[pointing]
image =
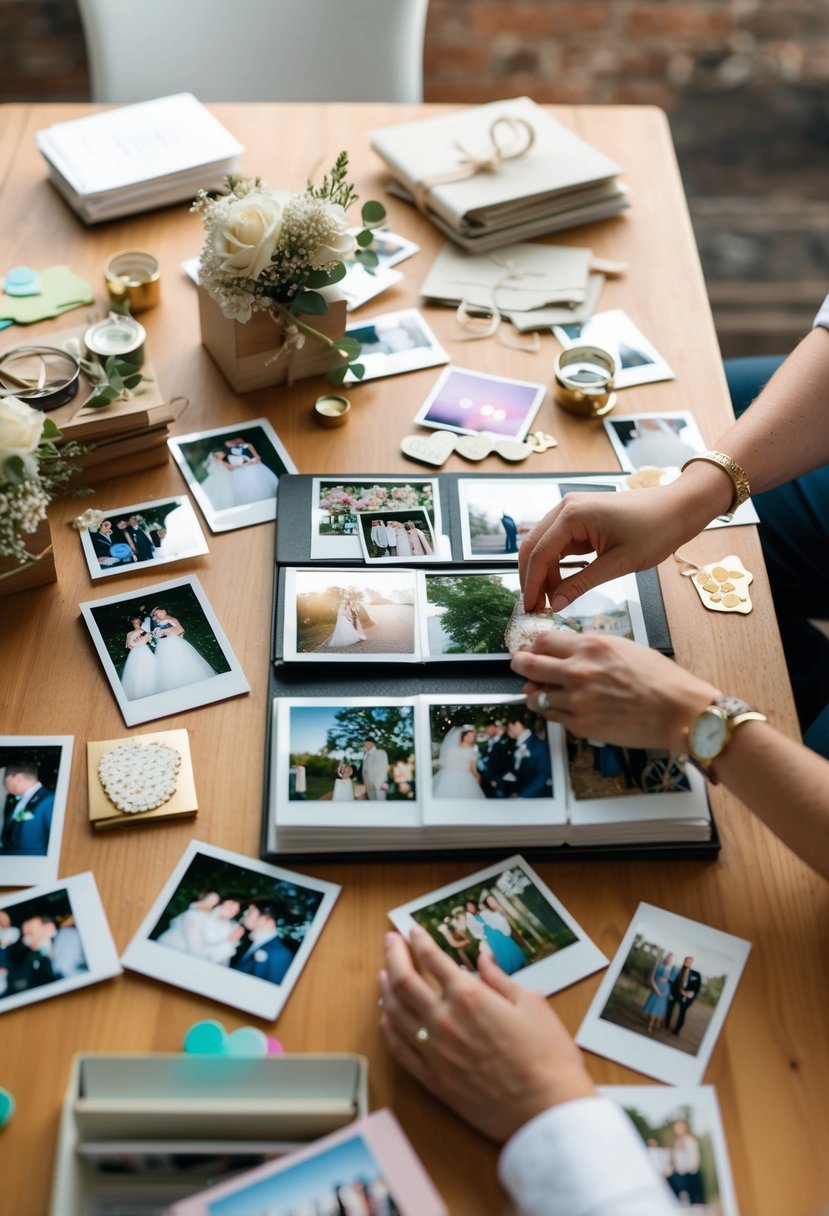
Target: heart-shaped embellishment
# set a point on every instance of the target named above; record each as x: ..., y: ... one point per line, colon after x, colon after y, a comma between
x: 207, y: 1038
x: 139, y: 777
x: 247, y: 1043
x: 474, y: 447
x: 512, y: 449
x: 434, y: 449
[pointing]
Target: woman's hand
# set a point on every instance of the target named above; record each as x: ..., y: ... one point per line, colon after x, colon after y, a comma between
x: 612, y: 690
x: 496, y: 1053
x: 628, y: 531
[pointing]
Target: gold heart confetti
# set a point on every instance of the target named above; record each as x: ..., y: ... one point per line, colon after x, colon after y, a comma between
x: 722, y: 586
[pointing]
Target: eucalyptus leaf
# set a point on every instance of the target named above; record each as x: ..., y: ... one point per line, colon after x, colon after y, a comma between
x: 309, y: 304
x: 357, y: 369
x: 337, y: 374
x: 364, y: 238
x: 373, y: 213
x: 350, y: 347
x: 132, y: 381
x: 50, y: 431
x: 317, y: 278
x: 339, y: 272
x: 368, y: 259
x: 15, y: 470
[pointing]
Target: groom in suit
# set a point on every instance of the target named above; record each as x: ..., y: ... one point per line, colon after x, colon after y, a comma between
x: 495, y: 759
x: 375, y: 771
x: 28, y: 819
x: 685, y: 986
x: 531, y: 775
x: 266, y: 957
x: 511, y: 528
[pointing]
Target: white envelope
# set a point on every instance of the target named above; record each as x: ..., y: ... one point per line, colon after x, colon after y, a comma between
x: 516, y: 278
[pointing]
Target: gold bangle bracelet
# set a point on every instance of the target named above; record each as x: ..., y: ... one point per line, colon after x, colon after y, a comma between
x: 742, y: 489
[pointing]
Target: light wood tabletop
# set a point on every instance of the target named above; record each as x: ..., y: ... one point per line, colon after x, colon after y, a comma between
x: 770, y: 1064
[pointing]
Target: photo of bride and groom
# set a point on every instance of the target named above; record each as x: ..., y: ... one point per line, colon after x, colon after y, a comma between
x: 163, y: 649
x: 397, y: 536
x: 228, y: 470
x: 237, y: 919
x: 361, y: 615
x: 352, y: 753
x: 144, y: 534
x: 490, y: 751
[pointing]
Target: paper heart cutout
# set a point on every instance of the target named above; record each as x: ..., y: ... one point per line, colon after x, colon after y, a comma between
x: 247, y: 1042
x: 474, y: 447
x: 207, y: 1039
x: 139, y: 777
x: 434, y: 449
x: 512, y: 449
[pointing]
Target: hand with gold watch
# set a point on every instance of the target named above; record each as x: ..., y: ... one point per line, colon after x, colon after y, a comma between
x: 711, y: 730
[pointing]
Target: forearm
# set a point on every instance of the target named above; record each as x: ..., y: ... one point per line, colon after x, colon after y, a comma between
x: 784, y: 784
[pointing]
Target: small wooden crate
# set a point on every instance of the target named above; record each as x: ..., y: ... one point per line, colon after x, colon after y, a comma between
x: 245, y: 353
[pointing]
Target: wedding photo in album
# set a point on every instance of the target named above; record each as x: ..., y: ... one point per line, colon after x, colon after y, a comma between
x: 505, y: 911
x: 54, y: 939
x: 34, y: 776
x: 232, y: 929
x: 337, y: 504
x: 163, y: 650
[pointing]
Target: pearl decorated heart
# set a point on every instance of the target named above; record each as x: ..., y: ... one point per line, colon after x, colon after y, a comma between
x: 139, y: 777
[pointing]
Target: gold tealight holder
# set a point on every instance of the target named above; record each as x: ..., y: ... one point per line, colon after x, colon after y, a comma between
x: 136, y: 276
x: 331, y: 410
x: 584, y: 378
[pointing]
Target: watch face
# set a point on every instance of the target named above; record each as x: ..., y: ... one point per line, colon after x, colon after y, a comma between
x: 707, y: 734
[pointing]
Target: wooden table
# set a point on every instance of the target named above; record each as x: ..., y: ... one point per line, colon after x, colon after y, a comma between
x: 770, y: 1066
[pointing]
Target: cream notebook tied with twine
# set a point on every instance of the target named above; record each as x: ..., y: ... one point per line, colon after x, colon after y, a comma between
x: 500, y: 172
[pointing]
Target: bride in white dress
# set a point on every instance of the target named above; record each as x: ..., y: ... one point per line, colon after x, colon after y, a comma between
x: 418, y: 544
x: 207, y: 929
x: 458, y: 773
x: 177, y: 662
x: 404, y: 549
x: 252, y: 481
x: 345, y: 633
x: 343, y: 785
x: 138, y: 676
x: 218, y: 484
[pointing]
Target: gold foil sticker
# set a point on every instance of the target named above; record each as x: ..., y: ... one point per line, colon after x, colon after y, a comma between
x: 717, y: 585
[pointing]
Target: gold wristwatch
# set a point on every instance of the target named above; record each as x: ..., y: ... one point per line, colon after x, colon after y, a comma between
x: 710, y: 731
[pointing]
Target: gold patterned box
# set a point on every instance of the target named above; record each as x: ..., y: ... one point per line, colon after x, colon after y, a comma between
x: 103, y: 812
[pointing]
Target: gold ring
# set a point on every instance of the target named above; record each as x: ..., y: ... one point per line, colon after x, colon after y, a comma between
x: 423, y: 1035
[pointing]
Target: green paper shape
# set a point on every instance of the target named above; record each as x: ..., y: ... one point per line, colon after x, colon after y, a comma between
x: 206, y: 1039
x: 60, y: 290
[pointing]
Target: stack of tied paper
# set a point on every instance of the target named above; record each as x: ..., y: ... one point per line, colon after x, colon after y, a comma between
x: 500, y: 173
x: 138, y: 157
x: 534, y: 286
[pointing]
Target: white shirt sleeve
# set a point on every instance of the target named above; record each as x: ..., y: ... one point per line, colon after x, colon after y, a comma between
x: 822, y: 319
x: 582, y: 1158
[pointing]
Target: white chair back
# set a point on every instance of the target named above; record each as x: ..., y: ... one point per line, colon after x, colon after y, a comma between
x: 256, y: 50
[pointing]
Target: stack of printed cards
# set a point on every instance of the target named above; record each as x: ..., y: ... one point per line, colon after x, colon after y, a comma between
x: 360, y: 774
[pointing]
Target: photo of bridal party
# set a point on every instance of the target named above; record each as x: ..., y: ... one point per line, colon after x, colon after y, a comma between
x: 39, y: 943
x: 141, y: 535
x: 397, y: 536
x: 350, y: 753
x: 233, y: 473
x: 351, y: 612
x: 489, y: 751
x: 338, y: 504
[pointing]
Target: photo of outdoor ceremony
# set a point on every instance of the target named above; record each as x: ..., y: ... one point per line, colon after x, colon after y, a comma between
x: 351, y: 753
x: 489, y: 751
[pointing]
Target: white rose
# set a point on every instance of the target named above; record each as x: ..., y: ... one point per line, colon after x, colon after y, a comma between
x: 20, y: 430
x: 338, y: 243
x: 251, y: 233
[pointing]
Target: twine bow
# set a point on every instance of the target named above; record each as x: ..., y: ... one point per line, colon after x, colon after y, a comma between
x: 475, y: 327
x: 499, y: 150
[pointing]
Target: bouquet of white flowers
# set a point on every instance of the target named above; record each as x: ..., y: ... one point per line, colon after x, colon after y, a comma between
x: 273, y: 250
x: 32, y: 470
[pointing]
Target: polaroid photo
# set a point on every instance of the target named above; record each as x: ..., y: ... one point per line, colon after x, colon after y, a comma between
x: 637, y: 361
x: 662, y: 1003
x: 54, y: 939
x: 143, y: 535
x: 361, y: 285
x: 367, y: 615
x: 338, y: 501
x: 497, y: 513
x: 368, y: 1166
x: 233, y: 472
x: 614, y: 785
x: 163, y: 650
x: 489, y: 761
x: 682, y: 1130
x: 232, y: 929
x: 657, y: 440
x: 349, y: 764
x: 464, y: 615
x: 507, y: 911
x: 393, y: 343
x: 404, y: 535
x: 653, y: 475
x: 470, y: 402
x: 34, y: 778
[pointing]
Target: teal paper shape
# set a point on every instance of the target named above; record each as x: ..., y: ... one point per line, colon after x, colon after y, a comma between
x: 248, y: 1042
x: 6, y: 1106
x: 22, y: 281
x: 60, y: 290
x: 206, y: 1039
